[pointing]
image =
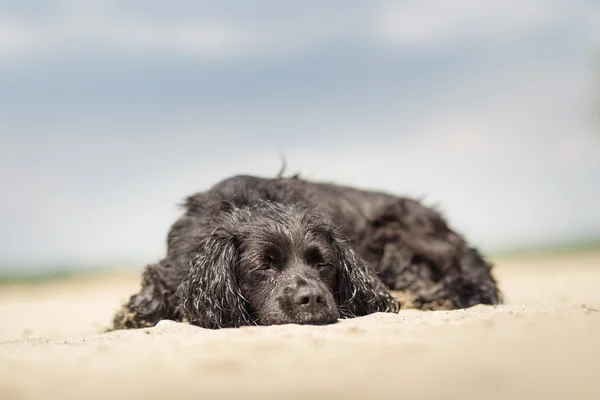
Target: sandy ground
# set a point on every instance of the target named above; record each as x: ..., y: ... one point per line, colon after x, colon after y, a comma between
x: 544, y: 342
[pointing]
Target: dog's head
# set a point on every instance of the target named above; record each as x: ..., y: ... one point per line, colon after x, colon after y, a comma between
x: 275, y: 264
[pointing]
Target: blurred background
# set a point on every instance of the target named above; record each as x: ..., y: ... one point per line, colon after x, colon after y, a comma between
x: 111, y: 112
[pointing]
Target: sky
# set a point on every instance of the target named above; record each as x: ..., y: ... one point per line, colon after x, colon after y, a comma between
x: 111, y: 112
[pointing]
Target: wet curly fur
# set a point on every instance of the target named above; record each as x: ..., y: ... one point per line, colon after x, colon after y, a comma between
x: 368, y: 245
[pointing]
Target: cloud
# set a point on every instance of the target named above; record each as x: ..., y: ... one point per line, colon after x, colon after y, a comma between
x: 437, y: 23
x: 71, y: 27
x: 16, y: 38
x: 71, y: 33
x: 220, y: 32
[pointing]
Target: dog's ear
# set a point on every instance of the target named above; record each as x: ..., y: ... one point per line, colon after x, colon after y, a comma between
x: 359, y: 291
x: 209, y: 294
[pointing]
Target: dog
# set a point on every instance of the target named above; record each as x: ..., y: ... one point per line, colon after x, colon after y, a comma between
x: 264, y: 251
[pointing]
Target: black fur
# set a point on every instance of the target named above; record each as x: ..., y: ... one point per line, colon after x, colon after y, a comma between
x: 342, y: 247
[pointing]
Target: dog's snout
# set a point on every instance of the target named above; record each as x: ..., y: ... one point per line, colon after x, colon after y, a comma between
x: 310, y: 298
x: 306, y: 299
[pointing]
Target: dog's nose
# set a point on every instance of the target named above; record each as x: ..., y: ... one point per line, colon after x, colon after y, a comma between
x: 310, y: 298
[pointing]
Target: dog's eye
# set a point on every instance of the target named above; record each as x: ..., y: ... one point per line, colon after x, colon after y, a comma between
x: 314, y: 257
x: 271, y: 261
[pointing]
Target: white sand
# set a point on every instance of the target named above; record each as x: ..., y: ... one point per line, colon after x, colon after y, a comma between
x: 545, y: 342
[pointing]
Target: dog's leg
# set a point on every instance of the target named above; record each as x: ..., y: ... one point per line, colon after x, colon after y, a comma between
x: 470, y: 283
x: 149, y: 306
x: 415, y: 252
x: 426, y: 285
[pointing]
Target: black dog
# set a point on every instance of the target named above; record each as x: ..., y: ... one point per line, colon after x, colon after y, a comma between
x: 273, y: 251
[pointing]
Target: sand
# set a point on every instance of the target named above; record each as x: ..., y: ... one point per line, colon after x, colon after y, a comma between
x: 544, y: 342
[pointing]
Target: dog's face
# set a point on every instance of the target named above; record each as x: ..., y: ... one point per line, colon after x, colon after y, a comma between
x: 288, y: 272
x: 274, y: 264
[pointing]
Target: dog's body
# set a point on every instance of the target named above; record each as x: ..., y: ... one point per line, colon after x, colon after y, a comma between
x: 337, y: 250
